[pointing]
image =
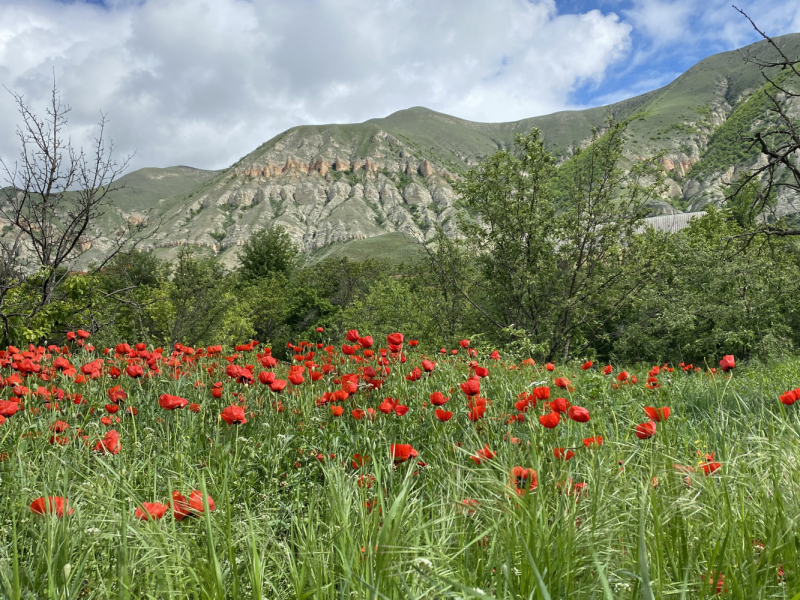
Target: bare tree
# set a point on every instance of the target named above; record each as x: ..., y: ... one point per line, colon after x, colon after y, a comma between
x: 779, y: 143
x: 54, y: 195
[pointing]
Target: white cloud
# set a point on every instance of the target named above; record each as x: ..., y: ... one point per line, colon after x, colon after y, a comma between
x: 202, y: 82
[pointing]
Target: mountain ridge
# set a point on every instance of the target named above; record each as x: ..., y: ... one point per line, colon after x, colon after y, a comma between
x: 340, y: 183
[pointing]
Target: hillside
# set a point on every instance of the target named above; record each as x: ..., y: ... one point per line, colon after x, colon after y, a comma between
x: 388, y: 180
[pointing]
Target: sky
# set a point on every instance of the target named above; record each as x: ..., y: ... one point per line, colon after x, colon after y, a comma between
x: 204, y: 82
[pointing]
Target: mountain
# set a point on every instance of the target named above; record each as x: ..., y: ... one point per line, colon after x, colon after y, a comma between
x: 377, y: 188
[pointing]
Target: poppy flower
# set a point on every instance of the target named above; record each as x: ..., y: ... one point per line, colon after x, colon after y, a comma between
x: 495, y: 355
x: 563, y: 454
x: 727, y: 363
x: 195, y: 408
x: 471, y: 387
x: 400, y: 409
x: 109, y: 443
x: 296, y: 378
x: 578, y: 414
x: 559, y: 405
x: 116, y: 394
x: 352, y: 335
x: 59, y: 427
x: 645, y: 430
x: 134, y: 371
x: 657, y: 414
x: 443, y: 415
x: 180, y: 506
x: 788, y: 398
x: 562, y: 382
x: 464, y: 343
x: 413, y: 343
x: 394, y: 339
x: 233, y: 415
x: 358, y: 414
x: 438, y: 399
x: 197, y: 504
x: 523, y: 480
x: 541, y: 393
x: 483, y: 455
x: 587, y: 365
x: 366, y: 341
x: 710, y: 467
x: 477, y: 408
x: 593, y: 441
x: 168, y: 402
x: 337, y: 411
x: 320, y: 329
x: 550, y: 420
x: 151, y: 511
x: 481, y: 372
x: 54, y: 505
x: 622, y: 376
x: 428, y: 365
x: 402, y: 452
x: 358, y: 461
x: 550, y: 367
x: 277, y: 386
x: 387, y: 406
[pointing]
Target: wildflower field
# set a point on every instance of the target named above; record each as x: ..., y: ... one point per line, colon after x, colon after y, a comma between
x: 366, y: 468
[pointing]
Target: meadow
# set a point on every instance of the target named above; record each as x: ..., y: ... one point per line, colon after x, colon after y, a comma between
x: 380, y: 469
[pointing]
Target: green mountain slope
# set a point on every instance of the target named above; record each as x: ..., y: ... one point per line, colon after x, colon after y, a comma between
x: 367, y: 187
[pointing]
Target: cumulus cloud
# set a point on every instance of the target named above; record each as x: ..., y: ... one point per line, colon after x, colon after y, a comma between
x: 203, y: 82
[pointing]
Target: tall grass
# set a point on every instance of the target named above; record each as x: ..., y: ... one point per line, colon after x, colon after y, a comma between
x: 288, y: 525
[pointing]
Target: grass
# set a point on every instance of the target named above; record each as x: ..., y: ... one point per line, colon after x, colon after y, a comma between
x: 294, y: 518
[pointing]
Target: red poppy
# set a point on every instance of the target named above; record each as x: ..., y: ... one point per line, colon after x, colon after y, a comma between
x: 483, y: 455
x: 471, y: 387
x: 366, y: 341
x: 413, y: 343
x: 587, y: 365
x: 277, y: 386
x: 788, y: 398
x: 197, y: 502
x: 550, y: 367
x: 622, y: 376
x: 402, y: 452
x: 358, y: 414
x: 523, y: 480
x: 134, y: 371
x: 559, y: 405
x: 727, y: 363
x: 541, y: 393
x: 578, y: 413
x: 657, y: 414
x: 168, y: 402
x: 645, y: 430
x: 477, y: 408
x: 358, y: 461
x: 233, y: 415
x: 337, y: 411
x: 428, y: 365
x: 593, y: 441
x: 438, y: 399
x: 394, y: 339
x: 296, y: 377
x: 352, y: 335
x: 180, y: 506
x: 562, y: 382
x: 400, y: 409
x: 116, y: 394
x: 563, y: 454
x: 710, y: 467
x: 109, y: 444
x: 59, y: 427
x: 195, y: 408
x: 54, y: 505
x: 443, y: 415
x: 151, y: 511
x: 550, y: 420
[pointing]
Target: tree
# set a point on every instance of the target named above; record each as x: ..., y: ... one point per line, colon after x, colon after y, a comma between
x: 779, y: 144
x: 53, y: 196
x: 267, y: 252
x: 556, y: 254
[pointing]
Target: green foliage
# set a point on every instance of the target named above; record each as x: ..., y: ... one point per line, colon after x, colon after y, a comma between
x: 267, y: 252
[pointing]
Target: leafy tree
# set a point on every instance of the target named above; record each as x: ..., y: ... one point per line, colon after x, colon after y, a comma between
x: 267, y: 252
x: 555, y: 244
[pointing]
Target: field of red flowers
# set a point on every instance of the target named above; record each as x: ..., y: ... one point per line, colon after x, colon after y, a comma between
x: 373, y: 468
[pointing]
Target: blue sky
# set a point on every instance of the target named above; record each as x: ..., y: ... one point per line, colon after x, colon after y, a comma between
x: 203, y: 82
